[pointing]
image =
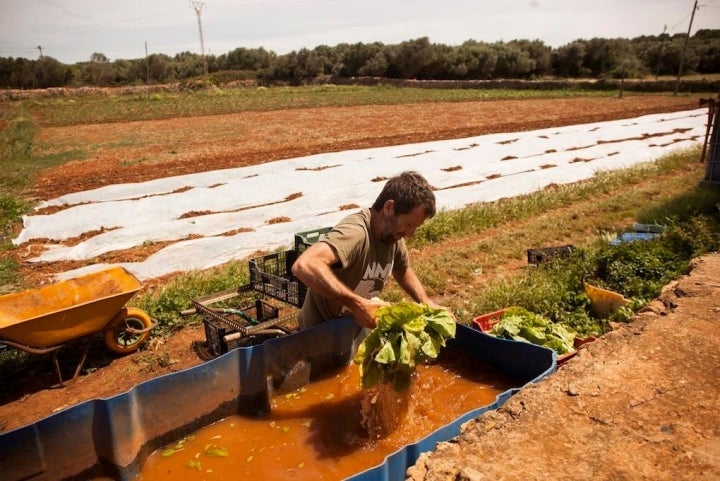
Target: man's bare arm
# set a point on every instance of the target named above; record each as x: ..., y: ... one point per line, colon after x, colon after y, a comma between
x: 410, y: 283
x: 313, y: 268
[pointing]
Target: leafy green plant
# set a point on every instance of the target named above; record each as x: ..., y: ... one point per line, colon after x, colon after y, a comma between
x: 640, y: 269
x: 522, y: 325
x: 407, y: 334
x: 637, y: 270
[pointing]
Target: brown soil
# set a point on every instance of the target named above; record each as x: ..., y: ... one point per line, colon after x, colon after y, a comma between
x: 639, y: 403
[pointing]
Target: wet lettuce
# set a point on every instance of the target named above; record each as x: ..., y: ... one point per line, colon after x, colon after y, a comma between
x: 406, y: 335
x: 522, y: 325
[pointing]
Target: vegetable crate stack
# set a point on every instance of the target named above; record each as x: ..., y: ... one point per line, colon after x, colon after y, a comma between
x: 271, y: 274
x: 229, y: 318
x: 303, y: 240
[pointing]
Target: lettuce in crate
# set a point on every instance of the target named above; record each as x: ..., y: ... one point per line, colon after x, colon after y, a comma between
x: 520, y: 324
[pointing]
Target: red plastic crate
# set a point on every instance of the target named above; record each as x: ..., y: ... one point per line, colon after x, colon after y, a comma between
x: 487, y: 321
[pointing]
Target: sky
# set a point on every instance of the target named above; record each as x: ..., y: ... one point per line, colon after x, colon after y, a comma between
x: 72, y: 30
x: 234, y: 210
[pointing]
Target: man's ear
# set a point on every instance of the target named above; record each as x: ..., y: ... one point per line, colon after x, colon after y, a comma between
x: 389, y: 207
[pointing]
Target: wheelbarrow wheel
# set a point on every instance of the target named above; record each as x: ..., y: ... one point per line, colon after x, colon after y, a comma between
x: 127, y: 330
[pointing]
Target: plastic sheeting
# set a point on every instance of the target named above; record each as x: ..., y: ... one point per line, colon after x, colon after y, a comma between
x: 113, y: 437
x: 211, y: 218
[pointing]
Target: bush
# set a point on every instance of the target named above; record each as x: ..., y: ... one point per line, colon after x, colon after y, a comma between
x: 637, y: 270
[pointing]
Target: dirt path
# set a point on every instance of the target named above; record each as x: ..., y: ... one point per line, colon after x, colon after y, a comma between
x: 638, y: 404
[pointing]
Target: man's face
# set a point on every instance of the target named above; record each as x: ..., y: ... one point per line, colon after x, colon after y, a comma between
x: 394, y: 227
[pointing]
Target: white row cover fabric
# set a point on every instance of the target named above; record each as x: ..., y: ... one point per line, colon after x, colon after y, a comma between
x: 215, y: 217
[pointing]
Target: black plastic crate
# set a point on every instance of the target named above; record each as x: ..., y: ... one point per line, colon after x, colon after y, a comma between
x: 303, y: 240
x: 271, y: 275
x: 217, y: 328
x: 649, y: 228
x: 545, y: 254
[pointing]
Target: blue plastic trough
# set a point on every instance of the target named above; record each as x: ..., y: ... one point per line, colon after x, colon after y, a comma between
x: 113, y: 437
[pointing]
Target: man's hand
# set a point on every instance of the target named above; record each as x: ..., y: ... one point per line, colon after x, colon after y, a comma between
x: 364, y: 312
x: 433, y: 305
x: 410, y: 283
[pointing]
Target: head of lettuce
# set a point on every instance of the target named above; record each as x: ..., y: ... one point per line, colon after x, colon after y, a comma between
x: 407, y: 334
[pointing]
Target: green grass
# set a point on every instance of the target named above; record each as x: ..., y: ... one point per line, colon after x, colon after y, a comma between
x: 483, y: 216
x: 585, y: 213
x: 118, y: 107
x: 16, y: 171
x: 165, y: 304
x: 16, y: 144
x: 637, y: 270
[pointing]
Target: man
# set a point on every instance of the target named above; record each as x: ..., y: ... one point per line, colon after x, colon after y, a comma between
x: 346, y: 271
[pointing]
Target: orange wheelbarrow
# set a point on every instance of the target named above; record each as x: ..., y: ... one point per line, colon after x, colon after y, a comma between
x: 44, y: 320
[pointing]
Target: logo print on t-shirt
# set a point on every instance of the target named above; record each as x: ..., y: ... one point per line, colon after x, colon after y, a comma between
x: 374, y: 280
x: 377, y: 271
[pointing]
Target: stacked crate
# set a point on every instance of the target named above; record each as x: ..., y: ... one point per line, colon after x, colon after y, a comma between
x: 271, y: 274
x: 229, y: 317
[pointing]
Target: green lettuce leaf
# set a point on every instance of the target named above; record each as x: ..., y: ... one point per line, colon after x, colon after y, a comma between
x: 406, y: 335
x: 386, y: 354
x: 520, y: 324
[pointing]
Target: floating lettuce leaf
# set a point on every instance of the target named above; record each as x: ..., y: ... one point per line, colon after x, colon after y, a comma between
x: 407, y: 334
x: 215, y: 450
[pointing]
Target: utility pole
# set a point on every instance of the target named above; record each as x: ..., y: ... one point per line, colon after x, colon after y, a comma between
x: 198, y: 6
x: 147, y: 64
x: 682, y: 55
x: 40, y: 48
x: 662, y: 50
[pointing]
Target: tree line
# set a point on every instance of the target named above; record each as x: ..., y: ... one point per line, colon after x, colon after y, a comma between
x: 419, y: 59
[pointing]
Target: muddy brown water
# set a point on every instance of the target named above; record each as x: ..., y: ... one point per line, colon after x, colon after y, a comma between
x: 316, y: 432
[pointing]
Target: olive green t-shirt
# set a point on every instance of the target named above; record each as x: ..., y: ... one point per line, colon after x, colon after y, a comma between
x: 366, y: 265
